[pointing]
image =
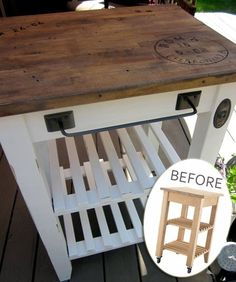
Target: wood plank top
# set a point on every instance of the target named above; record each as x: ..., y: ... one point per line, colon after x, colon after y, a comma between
x: 197, y: 193
x: 56, y: 60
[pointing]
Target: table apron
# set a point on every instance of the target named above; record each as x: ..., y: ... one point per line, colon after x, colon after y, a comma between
x: 117, y: 112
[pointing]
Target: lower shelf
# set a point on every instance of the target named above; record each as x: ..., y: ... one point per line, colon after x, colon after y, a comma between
x: 182, y: 247
x: 93, y: 231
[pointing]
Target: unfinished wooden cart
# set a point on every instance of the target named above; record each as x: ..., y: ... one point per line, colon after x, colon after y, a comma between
x: 69, y: 74
x: 187, y: 197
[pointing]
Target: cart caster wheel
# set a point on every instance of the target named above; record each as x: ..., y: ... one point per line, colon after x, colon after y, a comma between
x: 189, y: 269
x: 158, y: 259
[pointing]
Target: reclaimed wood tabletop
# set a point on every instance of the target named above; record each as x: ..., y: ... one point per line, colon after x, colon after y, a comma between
x: 63, y: 59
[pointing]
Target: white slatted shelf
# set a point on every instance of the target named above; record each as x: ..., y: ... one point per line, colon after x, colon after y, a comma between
x: 100, y: 180
x: 115, y: 182
x: 107, y: 240
x: 58, y: 192
x: 168, y: 149
x: 76, y: 172
x: 149, y: 150
x: 133, y: 173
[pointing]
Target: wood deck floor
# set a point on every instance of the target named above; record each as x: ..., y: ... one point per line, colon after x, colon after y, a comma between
x: 23, y: 257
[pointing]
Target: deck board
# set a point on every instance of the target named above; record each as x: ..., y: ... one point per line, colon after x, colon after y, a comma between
x: 88, y: 269
x: 18, y: 263
x: 125, y: 269
x: 43, y: 267
x: 7, y: 196
x: 148, y: 270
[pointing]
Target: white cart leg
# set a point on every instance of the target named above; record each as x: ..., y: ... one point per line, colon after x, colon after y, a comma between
x: 20, y: 153
x: 207, y: 139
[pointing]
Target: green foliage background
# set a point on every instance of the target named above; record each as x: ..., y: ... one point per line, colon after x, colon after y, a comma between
x: 228, y: 6
x: 231, y: 183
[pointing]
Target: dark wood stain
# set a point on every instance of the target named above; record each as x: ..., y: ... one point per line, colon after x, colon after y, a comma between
x: 56, y: 60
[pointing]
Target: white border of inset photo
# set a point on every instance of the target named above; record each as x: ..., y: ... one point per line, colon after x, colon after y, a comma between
x: 198, y: 175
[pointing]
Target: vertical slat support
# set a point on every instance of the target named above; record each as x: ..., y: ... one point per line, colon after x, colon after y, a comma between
x: 150, y: 150
x: 70, y: 235
x: 114, y: 162
x: 102, y: 185
x: 76, y: 172
x: 120, y: 223
x: 106, y: 237
x: 165, y: 143
x: 134, y: 218
x: 88, y: 236
x: 58, y: 191
x: 134, y: 159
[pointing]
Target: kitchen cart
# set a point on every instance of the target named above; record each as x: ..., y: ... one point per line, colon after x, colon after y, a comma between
x: 187, y: 197
x: 96, y: 72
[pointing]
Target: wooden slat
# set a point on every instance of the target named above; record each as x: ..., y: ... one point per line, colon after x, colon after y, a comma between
x: 130, y: 173
x: 76, y: 172
x: 88, y: 236
x: 146, y: 167
x: 89, y: 176
x: 177, y: 133
x: 187, y: 223
x: 103, y: 227
x: 183, y: 248
x: 114, y: 162
x: 143, y: 200
x: 120, y: 223
x: 165, y: 143
x: 102, y: 185
x: 58, y: 191
x: 135, y: 218
x: 70, y: 234
x: 98, y: 241
x: 134, y: 159
x: 150, y: 150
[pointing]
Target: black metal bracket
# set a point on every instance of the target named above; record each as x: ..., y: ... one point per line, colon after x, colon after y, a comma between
x: 182, y: 101
x: 65, y: 118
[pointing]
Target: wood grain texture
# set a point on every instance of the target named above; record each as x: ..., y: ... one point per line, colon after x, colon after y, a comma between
x: 63, y: 59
